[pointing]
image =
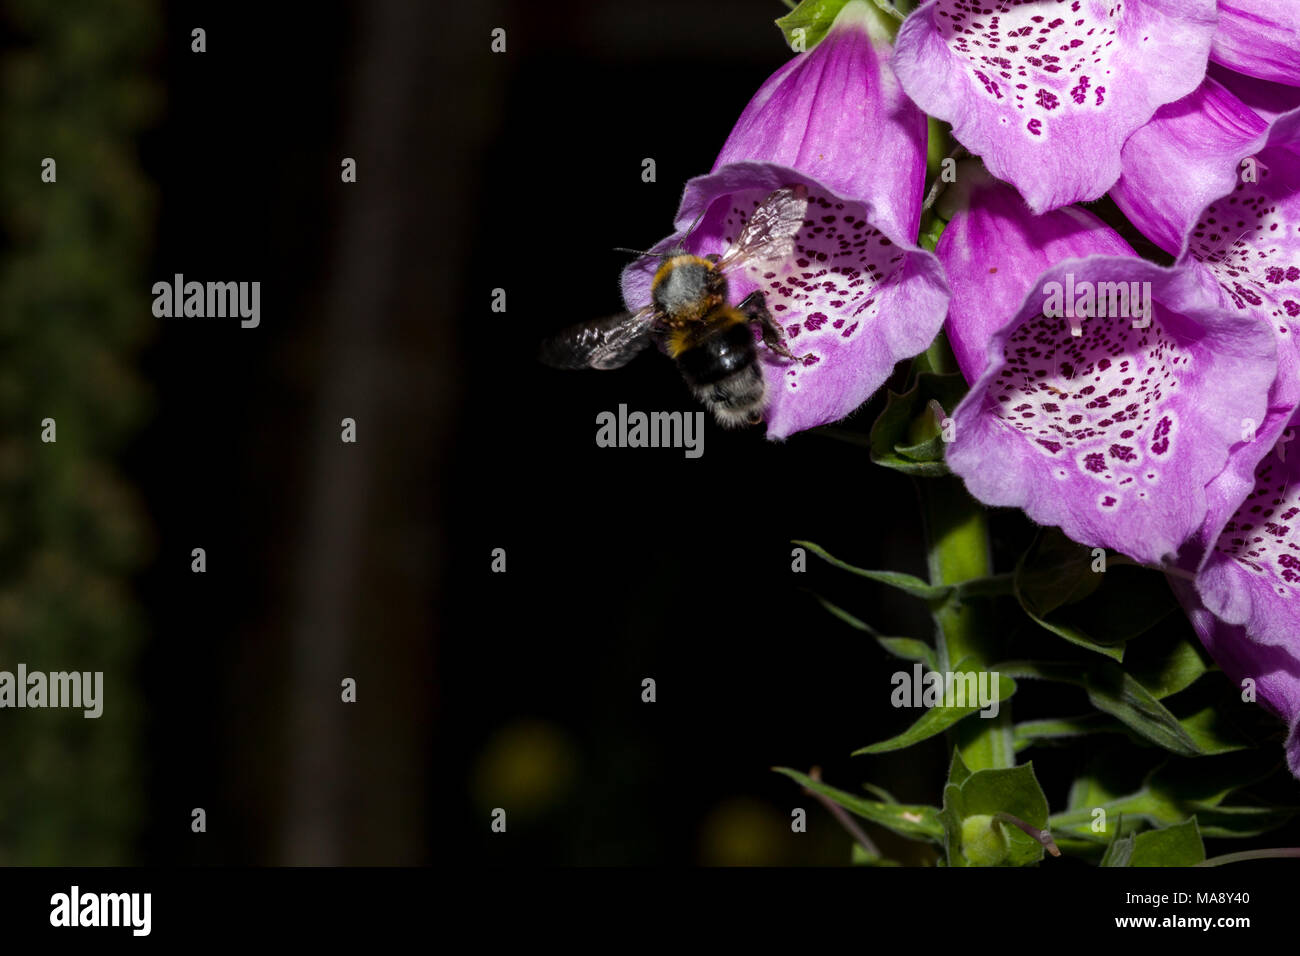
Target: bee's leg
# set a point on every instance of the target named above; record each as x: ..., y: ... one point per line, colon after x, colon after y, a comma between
x: 754, y: 308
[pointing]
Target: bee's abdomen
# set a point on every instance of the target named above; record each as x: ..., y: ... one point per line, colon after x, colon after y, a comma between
x: 718, y: 355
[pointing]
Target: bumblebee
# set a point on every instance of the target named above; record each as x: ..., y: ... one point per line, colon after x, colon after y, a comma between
x: 691, y: 320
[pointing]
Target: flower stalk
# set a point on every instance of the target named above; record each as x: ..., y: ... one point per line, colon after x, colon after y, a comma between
x: 957, y: 551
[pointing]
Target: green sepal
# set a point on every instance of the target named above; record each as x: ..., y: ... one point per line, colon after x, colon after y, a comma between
x: 814, y: 18
x: 906, y: 436
x: 1176, y: 845
x: 1013, y: 790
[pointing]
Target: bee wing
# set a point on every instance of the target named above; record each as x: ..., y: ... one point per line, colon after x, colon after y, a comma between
x: 769, y: 234
x: 605, y: 343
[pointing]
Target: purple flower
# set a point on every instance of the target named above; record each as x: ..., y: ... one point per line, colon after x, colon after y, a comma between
x: 1248, y: 242
x: 857, y: 295
x: 1259, y: 38
x: 1047, y: 92
x: 1187, y: 156
x: 1099, y: 405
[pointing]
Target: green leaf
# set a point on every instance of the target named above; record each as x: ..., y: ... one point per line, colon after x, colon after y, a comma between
x: 907, y: 583
x: 1129, y: 602
x: 1112, y: 690
x: 937, y: 719
x: 906, y: 436
x: 1030, y: 732
x: 1165, y: 662
x: 1208, y: 782
x: 1013, y: 790
x: 1177, y: 845
x: 915, y: 821
x: 1120, y: 849
x: 1053, y: 572
x: 1212, y: 732
x: 1178, y: 790
x: 908, y: 648
x: 1240, y: 822
x: 860, y: 857
x: 1099, y: 610
x: 1207, y: 727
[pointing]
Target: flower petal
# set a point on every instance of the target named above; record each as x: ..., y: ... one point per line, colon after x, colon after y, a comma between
x: 853, y: 299
x: 993, y: 251
x: 1113, y: 434
x: 1251, y: 578
x: 1275, y: 669
x: 1269, y: 100
x: 1047, y: 92
x: 1259, y: 38
x: 1187, y: 156
x: 826, y: 110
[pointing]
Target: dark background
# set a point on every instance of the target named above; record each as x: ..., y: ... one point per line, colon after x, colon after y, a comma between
x: 523, y: 691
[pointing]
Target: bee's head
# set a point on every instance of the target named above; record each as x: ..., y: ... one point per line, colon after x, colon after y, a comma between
x: 687, y: 285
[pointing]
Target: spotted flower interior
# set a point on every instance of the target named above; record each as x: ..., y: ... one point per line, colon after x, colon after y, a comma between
x: 1099, y: 406
x: 1250, y: 241
x: 1112, y: 434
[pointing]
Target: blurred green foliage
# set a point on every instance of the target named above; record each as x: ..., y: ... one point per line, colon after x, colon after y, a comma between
x: 74, y: 310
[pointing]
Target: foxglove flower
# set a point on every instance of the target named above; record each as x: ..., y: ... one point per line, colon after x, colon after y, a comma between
x: 1259, y: 38
x: 993, y: 251
x: 1109, y: 427
x: 858, y: 294
x: 1047, y: 92
x: 1249, y: 242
